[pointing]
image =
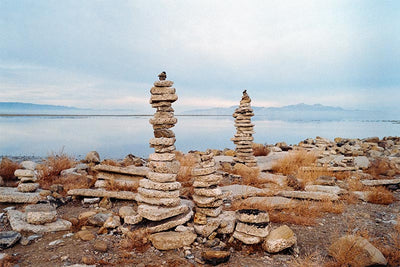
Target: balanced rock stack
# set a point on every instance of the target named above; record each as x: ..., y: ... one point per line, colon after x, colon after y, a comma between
x: 158, y: 195
x: 252, y: 226
x: 244, y: 135
x: 27, y: 177
x: 207, y: 195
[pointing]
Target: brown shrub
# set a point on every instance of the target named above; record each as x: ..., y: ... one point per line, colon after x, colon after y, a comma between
x: 73, y: 181
x: 381, y: 167
x: 136, y: 240
x: 51, y: 168
x: 260, y: 150
x: 249, y: 175
x: 111, y: 162
x: 187, y: 163
x: 293, y: 161
x: 380, y: 195
x: 7, y: 169
x: 314, y: 259
x: 347, y: 254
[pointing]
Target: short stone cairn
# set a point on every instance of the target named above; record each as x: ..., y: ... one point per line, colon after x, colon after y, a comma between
x: 27, y: 178
x: 244, y: 135
x: 252, y: 226
x: 158, y: 195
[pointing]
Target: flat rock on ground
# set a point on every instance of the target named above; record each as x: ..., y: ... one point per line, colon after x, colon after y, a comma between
x: 268, y: 202
x: 172, y: 240
x: 103, y: 193
x: 279, y: 239
x: 18, y: 223
x: 380, y: 182
x: 265, y: 163
x: 239, y: 191
x: 12, y: 195
x: 9, y: 238
x: 309, y: 195
x: 131, y: 170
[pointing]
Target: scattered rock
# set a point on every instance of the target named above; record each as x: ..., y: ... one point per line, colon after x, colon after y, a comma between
x: 359, y: 249
x: 172, y: 240
x: 40, y: 213
x: 361, y: 162
x: 18, y: 223
x: 215, y: 257
x: 279, y: 239
x: 126, y: 211
x: 99, y: 219
x: 56, y: 242
x: 9, y: 238
x: 105, y: 203
x: 85, y: 235
x: 100, y: 245
x: 92, y: 200
x: 112, y: 222
x: 92, y: 157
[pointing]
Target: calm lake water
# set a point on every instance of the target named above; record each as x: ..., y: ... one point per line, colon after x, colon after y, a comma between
x: 117, y: 136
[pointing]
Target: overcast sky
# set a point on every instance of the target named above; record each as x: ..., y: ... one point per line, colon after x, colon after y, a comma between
x: 94, y: 54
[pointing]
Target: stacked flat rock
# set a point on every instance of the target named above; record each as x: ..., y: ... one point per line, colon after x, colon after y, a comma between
x: 252, y: 226
x: 158, y: 195
x: 27, y: 178
x: 207, y: 194
x: 244, y: 132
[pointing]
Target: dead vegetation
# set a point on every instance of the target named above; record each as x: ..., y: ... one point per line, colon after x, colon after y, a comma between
x: 51, y: 168
x: 187, y: 163
x: 260, y: 150
x: 7, y: 169
x: 380, y: 195
x: 293, y: 161
x: 381, y: 168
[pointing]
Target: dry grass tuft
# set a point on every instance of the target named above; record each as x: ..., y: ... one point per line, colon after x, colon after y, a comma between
x: 293, y: 161
x: 73, y: 181
x: 249, y: 175
x: 51, y: 168
x: 348, y: 254
x: 304, y: 213
x: 381, y: 195
x: 260, y: 150
x: 314, y: 259
x: 137, y: 240
x: 187, y: 163
x: 111, y: 162
x: 382, y: 167
x: 7, y: 169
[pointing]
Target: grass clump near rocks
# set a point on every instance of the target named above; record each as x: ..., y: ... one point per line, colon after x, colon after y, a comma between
x: 7, y: 169
x: 51, y: 168
x: 260, y: 150
x: 380, y: 195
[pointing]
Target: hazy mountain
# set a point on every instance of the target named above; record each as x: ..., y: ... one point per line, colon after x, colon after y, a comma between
x: 30, y: 108
x: 296, y: 112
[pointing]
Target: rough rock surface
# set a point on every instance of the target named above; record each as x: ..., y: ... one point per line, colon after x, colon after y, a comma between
x: 172, y: 240
x: 18, y: 223
x: 279, y: 239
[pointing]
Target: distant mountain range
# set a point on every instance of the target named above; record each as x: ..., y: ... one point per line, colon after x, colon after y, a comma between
x: 30, y: 108
x: 303, y: 112
x: 296, y: 112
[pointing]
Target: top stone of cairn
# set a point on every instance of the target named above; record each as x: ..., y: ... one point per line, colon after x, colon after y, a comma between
x: 162, y: 80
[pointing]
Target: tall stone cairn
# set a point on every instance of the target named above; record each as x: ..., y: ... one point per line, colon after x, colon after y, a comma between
x: 158, y: 194
x: 207, y: 195
x: 244, y: 132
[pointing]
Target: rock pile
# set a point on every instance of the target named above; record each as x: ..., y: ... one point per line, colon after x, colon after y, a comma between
x: 252, y: 226
x: 158, y: 195
x: 120, y: 177
x: 244, y: 135
x: 27, y: 177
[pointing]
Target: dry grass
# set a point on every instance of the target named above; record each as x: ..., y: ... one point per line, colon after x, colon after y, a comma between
x: 187, y: 163
x: 111, y: 162
x: 304, y: 213
x: 249, y: 175
x: 293, y: 161
x: 260, y: 150
x: 382, y: 167
x: 73, y: 181
x: 7, y: 169
x: 380, y: 195
x: 115, y: 186
x: 314, y: 259
x: 136, y: 240
x: 51, y: 168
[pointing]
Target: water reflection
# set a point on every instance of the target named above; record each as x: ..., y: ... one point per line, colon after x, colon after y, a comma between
x: 117, y: 136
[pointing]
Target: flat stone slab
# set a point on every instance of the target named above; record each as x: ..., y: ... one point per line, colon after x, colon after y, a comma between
x: 325, y: 188
x: 309, y: 195
x: 239, y: 191
x: 172, y: 240
x: 169, y: 223
x: 269, y: 202
x: 103, y: 193
x: 266, y: 177
x: 380, y: 182
x: 265, y: 163
x: 18, y: 223
x: 131, y: 170
x: 12, y: 195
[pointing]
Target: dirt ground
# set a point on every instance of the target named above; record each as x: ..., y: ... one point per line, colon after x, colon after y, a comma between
x: 375, y: 220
